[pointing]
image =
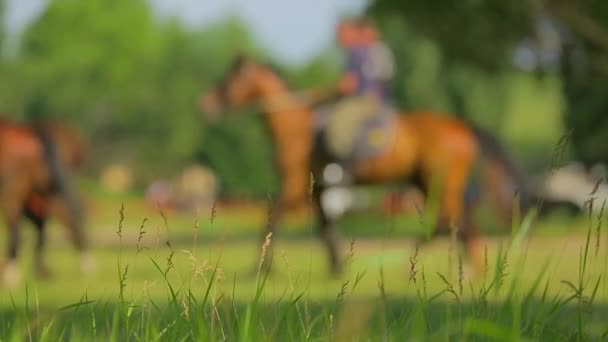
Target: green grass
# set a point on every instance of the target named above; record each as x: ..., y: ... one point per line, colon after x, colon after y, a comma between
x: 202, y: 285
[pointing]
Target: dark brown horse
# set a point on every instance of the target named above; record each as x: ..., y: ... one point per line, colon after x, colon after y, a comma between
x: 35, y: 165
x: 427, y: 148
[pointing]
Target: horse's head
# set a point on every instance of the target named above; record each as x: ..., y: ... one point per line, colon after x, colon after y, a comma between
x: 245, y: 82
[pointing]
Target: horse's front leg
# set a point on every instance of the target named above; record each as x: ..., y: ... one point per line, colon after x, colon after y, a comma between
x: 275, y: 212
x: 327, y: 231
x: 12, y: 198
x: 11, y: 275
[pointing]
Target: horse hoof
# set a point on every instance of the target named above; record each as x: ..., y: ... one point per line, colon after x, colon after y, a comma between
x: 420, y: 243
x: 11, y: 276
x: 260, y: 272
x: 43, y: 273
x: 87, y: 264
x: 337, y: 274
x: 336, y: 269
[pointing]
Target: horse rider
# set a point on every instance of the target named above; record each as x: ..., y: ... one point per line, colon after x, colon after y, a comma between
x: 356, y: 125
x: 370, y: 65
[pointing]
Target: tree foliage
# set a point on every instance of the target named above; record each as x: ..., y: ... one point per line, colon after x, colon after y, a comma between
x: 131, y: 82
x: 2, y: 23
x: 485, y: 34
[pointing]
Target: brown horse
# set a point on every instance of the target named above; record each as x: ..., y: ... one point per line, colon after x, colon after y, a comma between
x: 427, y: 148
x: 35, y: 165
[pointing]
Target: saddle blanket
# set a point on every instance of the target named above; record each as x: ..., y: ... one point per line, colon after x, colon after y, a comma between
x: 357, y: 128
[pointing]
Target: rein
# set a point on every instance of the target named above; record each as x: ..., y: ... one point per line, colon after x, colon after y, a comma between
x: 303, y: 99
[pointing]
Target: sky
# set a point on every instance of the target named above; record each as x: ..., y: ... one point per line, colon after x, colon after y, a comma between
x: 274, y: 23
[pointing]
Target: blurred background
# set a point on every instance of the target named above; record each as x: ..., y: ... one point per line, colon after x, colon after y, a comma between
x: 128, y: 75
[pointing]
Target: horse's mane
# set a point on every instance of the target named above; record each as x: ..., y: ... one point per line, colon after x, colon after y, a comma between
x: 275, y: 69
x: 240, y: 60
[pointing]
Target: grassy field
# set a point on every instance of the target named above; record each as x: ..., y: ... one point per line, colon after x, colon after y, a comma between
x: 186, y: 278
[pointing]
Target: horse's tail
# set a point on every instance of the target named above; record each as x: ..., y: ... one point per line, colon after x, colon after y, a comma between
x: 502, y: 178
x: 61, y: 186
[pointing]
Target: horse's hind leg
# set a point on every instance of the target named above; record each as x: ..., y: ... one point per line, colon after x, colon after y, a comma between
x: 39, y: 221
x: 451, y: 178
x: 327, y: 232
x: 470, y: 236
x: 71, y: 214
x: 456, y: 214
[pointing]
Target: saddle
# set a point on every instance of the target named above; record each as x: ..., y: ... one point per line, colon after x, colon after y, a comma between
x: 356, y: 128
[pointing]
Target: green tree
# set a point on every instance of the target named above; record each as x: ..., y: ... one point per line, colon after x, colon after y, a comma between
x: 132, y: 82
x: 426, y: 79
x: 84, y: 53
x: 485, y: 34
x: 2, y: 25
x: 239, y: 142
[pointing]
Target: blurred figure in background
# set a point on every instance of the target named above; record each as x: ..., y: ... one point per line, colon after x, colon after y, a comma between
x: 36, y: 181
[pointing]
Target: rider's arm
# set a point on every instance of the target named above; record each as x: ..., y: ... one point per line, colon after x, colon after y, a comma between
x: 380, y: 65
x: 347, y: 84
